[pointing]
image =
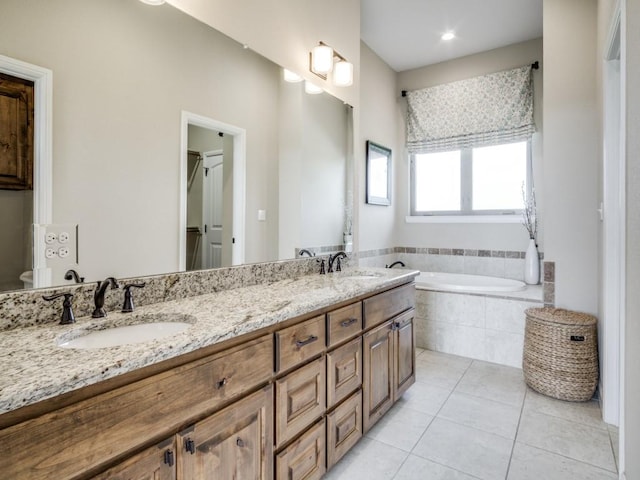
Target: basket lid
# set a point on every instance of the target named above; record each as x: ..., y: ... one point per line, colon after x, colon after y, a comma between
x: 560, y: 315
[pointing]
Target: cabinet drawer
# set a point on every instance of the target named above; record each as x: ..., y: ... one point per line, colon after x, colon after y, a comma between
x: 388, y: 304
x: 344, y: 323
x: 300, y: 400
x: 304, y: 459
x: 344, y: 371
x: 299, y: 342
x: 344, y: 428
x: 85, y: 436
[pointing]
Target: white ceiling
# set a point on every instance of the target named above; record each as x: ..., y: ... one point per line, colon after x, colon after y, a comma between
x: 406, y: 33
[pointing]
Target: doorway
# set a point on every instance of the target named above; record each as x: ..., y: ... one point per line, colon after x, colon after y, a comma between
x: 212, y: 197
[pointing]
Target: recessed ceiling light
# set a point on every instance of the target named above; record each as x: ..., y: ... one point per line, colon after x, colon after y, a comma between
x: 448, y: 36
x: 153, y: 2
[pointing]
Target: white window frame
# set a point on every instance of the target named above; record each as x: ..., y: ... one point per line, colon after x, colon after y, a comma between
x: 466, y: 214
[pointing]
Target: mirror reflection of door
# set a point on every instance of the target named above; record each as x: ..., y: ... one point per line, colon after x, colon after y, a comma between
x: 212, y: 211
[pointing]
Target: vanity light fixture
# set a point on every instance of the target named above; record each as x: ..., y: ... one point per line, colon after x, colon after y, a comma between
x: 343, y: 74
x: 311, y: 88
x: 448, y: 36
x: 153, y: 2
x: 291, y: 77
x: 323, y: 60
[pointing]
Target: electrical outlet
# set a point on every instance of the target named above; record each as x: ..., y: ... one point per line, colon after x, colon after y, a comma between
x: 59, y: 245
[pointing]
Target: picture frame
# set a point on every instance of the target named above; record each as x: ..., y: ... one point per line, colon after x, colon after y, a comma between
x: 378, y: 174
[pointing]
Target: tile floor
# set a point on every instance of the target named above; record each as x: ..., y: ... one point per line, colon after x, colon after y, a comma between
x: 466, y: 419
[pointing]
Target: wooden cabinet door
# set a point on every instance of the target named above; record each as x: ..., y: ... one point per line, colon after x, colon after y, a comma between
x: 16, y: 133
x: 405, y: 353
x: 235, y: 443
x: 378, y: 367
x: 155, y: 463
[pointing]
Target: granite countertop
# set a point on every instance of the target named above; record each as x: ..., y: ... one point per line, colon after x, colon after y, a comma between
x: 35, y: 368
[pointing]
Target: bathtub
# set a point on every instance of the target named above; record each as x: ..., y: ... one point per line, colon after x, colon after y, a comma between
x: 458, y: 282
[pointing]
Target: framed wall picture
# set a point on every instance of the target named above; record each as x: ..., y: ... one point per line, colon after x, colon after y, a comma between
x: 378, y: 174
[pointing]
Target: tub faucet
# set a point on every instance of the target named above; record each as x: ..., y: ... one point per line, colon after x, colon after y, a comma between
x: 304, y: 251
x: 98, y: 296
x: 336, y: 258
x: 394, y: 264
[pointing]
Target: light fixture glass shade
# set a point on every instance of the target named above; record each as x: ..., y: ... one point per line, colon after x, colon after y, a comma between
x: 153, y: 2
x: 343, y: 74
x: 311, y: 88
x: 322, y: 59
x: 291, y: 77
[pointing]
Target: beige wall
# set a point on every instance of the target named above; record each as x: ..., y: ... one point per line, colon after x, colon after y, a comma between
x: 285, y: 31
x: 312, y: 169
x: 571, y: 160
x: 471, y: 236
x: 632, y: 352
x: 378, y: 123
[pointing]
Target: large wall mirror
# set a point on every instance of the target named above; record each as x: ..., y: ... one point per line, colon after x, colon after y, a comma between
x: 124, y: 74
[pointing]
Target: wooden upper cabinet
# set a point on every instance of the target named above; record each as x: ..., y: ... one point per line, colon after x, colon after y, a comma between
x: 16, y: 133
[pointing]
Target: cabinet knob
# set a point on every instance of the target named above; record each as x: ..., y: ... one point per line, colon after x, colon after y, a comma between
x: 169, y: 458
x: 222, y: 383
x: 190, y: 446
x: 240, y: 442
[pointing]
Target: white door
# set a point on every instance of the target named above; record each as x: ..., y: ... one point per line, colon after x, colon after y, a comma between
x: 212, y: 210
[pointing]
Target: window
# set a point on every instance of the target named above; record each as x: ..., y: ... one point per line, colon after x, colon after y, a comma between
x: 471, y: 181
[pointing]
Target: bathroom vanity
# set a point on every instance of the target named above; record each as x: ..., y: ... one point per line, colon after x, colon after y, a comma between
x: 270, y: 381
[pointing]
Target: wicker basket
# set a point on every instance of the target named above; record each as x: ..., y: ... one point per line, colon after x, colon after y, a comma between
x: 561, y: 353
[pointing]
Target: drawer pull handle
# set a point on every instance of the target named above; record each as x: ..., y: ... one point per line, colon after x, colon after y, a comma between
x: 240, y: 442
x: 346, y: 323
x: 302, y: 343
x: 222, y: 383
x: 190, y: 446
x: 168, y: 458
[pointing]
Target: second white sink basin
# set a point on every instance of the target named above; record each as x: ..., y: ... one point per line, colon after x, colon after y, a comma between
x: 124, y: 335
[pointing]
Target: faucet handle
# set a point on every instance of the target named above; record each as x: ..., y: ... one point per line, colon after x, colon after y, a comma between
x: 67, y: 312
x: 321, y: 262
x: 127, y: 306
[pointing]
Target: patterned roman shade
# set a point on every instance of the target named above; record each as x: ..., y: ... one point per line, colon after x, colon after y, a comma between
x: 481, y: 111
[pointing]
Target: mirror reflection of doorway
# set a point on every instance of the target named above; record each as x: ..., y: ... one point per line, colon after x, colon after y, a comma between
x: 209, y: 198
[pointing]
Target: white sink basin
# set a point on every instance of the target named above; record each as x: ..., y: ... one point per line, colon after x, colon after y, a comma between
x: 124, y: 335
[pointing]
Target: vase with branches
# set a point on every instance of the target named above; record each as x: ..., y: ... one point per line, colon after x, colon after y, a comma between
x: 530, y: 222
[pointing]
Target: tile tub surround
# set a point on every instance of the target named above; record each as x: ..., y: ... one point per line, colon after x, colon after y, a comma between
x: 24, y: 308
x: 494, y: 263
x: 35, y: 368
x: 484, y: 327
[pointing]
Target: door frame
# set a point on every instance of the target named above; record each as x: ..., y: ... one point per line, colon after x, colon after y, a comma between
x: 614, y: 226
x: 239, y: 181
x: 42, y: 157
